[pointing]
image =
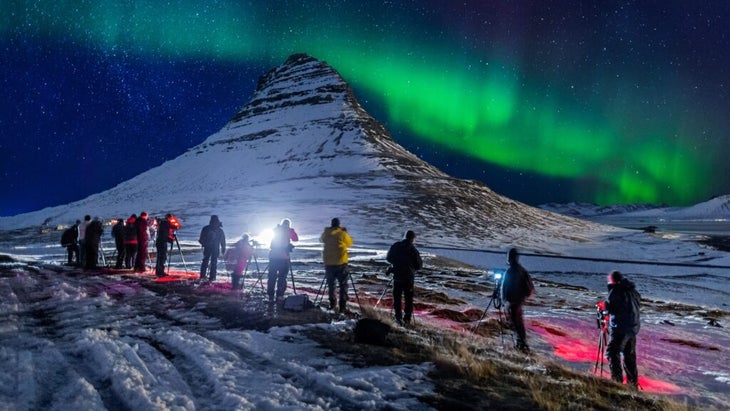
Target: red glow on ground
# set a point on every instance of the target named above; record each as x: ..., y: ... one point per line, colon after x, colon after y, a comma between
x: 575, y: 349
x: 658, y: 387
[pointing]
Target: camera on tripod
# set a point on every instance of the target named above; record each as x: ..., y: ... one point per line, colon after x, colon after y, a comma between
x: 601, y: 314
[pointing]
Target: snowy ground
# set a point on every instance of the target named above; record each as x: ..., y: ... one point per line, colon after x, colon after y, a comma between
x: 119, y: 341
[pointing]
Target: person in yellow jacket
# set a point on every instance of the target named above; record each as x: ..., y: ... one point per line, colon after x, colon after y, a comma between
x: 336, y: 241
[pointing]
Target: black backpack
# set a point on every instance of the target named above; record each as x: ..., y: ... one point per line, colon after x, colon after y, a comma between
x: 67, y: 238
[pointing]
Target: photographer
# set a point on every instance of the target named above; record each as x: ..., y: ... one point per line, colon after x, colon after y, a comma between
x: 237, y: 258
x: 165, y: 236
x: 336, y: 241
x: 624, y: 324
x: 516, y: 287
x: 406, y: 260
x: 213, y: 240
x: 279, y: 263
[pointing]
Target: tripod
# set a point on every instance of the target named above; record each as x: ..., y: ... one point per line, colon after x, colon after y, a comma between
x: 602, y: 323
x: 496, y: 302
x: 259, y: 280
x: 320, y: 292
x: 385, y: 290
x: 182, y: 257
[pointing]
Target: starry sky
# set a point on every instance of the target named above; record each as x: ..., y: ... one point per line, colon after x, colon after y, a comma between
x: 599, y: 101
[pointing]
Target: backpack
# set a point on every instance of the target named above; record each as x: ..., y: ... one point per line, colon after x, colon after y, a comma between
x: 209, y: 237
x: 67, y: 238
x: 298, y: 302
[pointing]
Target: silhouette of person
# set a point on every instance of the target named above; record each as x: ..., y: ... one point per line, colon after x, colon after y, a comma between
x: 279, y: 260
x: 213, y: 240
x: 406, y: 260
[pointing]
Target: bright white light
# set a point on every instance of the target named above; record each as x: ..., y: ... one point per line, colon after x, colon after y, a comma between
x: 497, y: 276
x: 264, y: 237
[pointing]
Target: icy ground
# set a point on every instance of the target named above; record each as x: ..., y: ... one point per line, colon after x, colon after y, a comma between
x: 114, y: 340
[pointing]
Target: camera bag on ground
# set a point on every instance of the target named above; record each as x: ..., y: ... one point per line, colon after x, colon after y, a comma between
x: 371, y: 331
x: 298, y: 302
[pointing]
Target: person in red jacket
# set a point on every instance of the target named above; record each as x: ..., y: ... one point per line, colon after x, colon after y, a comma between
x: 236, y: 260
x: 130, y: 241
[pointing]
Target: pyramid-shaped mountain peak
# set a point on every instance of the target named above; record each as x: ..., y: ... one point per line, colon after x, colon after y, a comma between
x: 304, y: 148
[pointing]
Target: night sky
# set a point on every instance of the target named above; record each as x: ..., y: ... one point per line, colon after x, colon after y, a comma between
x: 600, y: 101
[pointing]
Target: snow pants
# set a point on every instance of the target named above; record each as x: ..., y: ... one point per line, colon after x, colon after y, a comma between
x: 622, y: 343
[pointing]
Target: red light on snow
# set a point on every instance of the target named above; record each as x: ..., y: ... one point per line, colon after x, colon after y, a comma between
x: 658, y: 387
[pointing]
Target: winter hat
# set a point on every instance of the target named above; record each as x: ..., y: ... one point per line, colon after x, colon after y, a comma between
x: 513, y: 255
x: 410, y: 235
x: 615, y: 277
x: 214, y: 219
x: 335, y: 222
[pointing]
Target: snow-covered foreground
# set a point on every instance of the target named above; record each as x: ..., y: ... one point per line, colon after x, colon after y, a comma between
x: 104, y: 342
x: 75, y: 340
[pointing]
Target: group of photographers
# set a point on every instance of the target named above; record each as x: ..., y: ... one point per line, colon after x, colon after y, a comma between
x: 132, y: 237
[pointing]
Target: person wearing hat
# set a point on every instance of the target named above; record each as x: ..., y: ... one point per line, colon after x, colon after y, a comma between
x: 623, y: 325
x: 213, y: 240
x: 118, y: 236
x: 516, y: 287
x: 334, y: 253
x: 142, y: 226
x: 406, y: 260
x: 280, y: 260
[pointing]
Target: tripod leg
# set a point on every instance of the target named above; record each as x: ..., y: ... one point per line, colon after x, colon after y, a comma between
x: 291, y: 270
x: 385, y: 290
x: 182, y: 257
x: 320, y: 291
x: 357, y: 297
x: 484, y: 314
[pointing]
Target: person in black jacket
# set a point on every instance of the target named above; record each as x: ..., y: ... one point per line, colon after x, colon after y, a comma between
x: 405, y: 260
x: 624, y: 324
x: 143, y: 238
x: 213, y: 241
x: 94, y: 232
x: 165, y: 236
x: 516, y: 287
x: 118, y: 235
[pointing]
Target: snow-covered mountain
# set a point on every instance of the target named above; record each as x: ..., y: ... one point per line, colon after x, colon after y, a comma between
x: 305, y: 149
x: 587, y: 210
x: 717, y: 208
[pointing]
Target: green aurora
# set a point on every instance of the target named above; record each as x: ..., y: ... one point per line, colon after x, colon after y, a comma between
x: 476, y: 97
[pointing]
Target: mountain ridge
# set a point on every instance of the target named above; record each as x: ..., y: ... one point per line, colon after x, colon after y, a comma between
x: 304, y: 148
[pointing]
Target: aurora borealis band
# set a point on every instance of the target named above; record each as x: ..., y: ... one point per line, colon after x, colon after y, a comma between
x: 607, y: 102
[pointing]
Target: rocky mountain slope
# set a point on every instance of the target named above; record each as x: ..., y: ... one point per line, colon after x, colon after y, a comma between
x: 305, y: 149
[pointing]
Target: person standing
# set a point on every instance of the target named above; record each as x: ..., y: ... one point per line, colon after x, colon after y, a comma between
x: 130, y: 241
x: 517, y: 286
x: 82, y: 240
x: 94, y: 232
x: 279, y: 260
x: 334, y: 253
x: 623, y: 325
x: 70, y: 239
x: 213, y: 240
x: 165, y: 236
x: 118, y: 235
x: 406, y: 260
x: 237, y: 259
x: 143, y: 240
